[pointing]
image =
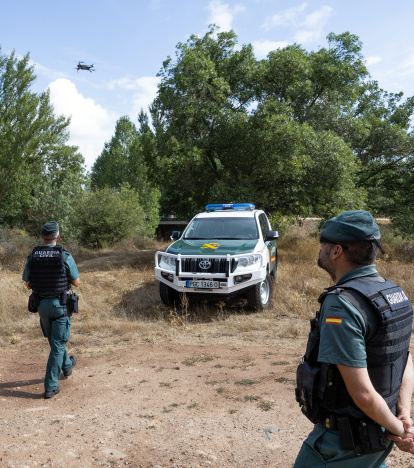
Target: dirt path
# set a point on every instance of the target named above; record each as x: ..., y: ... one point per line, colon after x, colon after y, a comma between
x: 162, y: 405
x: 154, y: 405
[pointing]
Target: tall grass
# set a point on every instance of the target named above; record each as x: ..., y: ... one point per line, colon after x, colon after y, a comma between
x: 119, y: 300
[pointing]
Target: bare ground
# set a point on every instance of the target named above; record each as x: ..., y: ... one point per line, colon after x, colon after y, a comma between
x: 169, y: 402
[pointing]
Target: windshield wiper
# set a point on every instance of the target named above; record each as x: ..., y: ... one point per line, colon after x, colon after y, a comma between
x: 230, y: 238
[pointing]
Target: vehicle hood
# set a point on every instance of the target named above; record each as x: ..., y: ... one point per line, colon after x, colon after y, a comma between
x: 212, y: 247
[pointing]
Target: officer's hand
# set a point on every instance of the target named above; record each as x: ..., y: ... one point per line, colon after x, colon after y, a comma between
x: 408, y: 433
x: 406, y: 445
x: 408, y: 425
x: 406, y: 441
x: 28, y: 285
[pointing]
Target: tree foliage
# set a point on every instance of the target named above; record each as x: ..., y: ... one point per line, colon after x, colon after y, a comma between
x: 300, y: 133
x: 34, y: 156
x: 105, y: 216
x: 205, y: 93
x: 232, y: 128
x: 122, y: 161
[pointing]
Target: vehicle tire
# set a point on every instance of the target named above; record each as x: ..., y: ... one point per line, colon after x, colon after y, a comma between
x: 169, y: 296
x: 260, y: 295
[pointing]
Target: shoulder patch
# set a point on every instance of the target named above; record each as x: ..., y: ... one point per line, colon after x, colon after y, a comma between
x: 396, y: 297
x: 335, y: 320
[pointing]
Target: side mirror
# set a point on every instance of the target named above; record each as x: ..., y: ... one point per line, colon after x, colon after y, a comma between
x: 272, y: 235
x: 175, y: 235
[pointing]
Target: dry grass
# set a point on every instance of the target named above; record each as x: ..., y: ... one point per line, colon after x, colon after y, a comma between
x: 119, y: 301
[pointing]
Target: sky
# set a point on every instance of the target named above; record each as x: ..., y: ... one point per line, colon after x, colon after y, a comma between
x: 128, y: 40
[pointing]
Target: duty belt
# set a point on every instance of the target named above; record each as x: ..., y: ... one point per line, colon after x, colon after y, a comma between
x: 362, y: 436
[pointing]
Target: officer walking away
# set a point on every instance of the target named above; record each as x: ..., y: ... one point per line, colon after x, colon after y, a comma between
x: 49, y: 272
x: 356, y: 379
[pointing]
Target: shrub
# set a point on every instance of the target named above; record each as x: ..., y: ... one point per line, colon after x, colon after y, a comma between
x: 106, y: 216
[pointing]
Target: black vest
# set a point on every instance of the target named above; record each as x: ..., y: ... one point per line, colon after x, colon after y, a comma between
x: 46, y: 271
x: 387, y: 347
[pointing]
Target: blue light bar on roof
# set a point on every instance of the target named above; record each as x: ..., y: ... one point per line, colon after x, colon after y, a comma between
x: 230, y: 206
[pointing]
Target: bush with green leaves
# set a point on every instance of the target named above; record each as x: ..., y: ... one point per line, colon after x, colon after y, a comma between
x: 105, y: 216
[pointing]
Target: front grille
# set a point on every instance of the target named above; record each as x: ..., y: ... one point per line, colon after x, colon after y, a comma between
x: 192, y: 265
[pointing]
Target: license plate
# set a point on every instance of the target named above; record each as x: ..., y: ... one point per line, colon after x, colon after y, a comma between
x: 203, y: 284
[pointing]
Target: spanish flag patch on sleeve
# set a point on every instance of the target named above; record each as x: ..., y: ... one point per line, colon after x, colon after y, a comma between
x: 337, y: 320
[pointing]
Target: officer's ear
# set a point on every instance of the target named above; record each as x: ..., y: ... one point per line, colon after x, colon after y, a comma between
x: 337, y: 250
x: 58, y: 237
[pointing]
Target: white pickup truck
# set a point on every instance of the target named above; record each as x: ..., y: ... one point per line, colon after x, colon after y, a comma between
x: 229, y: 250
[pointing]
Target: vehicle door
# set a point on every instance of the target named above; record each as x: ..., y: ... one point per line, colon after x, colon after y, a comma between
x: 271, y: 245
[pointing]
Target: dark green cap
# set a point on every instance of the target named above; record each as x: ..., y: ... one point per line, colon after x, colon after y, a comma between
x: 351, y: 226
x: 50, y: 226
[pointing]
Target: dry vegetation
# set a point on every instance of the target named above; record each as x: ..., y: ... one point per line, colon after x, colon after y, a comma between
x: 119, y: 301
x: 210, y: 385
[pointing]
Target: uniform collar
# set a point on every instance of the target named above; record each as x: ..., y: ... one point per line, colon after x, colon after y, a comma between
x: 369, y: 270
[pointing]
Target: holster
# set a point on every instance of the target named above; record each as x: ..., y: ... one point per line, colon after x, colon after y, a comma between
x: 307, y: 378
x: 312, y: 346
x: 72, y: 303
x: 361, y: 436
x: 34, y: 301
x: 63, y: 298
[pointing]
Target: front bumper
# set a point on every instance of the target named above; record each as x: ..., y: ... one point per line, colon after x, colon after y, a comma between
x: 230, y: 283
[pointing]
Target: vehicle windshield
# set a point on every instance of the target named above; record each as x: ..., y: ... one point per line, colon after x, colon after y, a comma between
x: 222, y: 228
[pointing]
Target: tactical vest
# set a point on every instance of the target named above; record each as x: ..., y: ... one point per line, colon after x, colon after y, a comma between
x: 320, y: 387
x: 46, y: 270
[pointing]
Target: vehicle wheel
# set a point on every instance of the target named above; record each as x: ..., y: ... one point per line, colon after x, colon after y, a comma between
x: 260, y: 295
x: 169, y: 296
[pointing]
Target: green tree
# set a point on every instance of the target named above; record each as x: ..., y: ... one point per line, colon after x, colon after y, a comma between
x: 33, y: 149
x: 401, y: 188
x: 105, y: 216
x: 122, y: 161
x: 300, y: 133
x: 331, y: 90
x: 207, y: 90
x: 289, y: 167
x: 118, y: 160
x: 54, y: 197
x: 320, y: 88
x: 232, y: 128
x: 385, y: 146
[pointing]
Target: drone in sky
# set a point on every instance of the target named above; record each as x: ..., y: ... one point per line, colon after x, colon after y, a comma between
x: 82, y: 66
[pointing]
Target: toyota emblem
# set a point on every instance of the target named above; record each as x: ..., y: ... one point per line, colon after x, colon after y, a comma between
x: 204, y: 264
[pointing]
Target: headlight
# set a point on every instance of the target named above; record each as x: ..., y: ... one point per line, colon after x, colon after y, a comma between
x: 251, y: 262
x: 168, y: 263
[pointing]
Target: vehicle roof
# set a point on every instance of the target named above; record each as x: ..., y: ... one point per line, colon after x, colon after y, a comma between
x: 229, y: 214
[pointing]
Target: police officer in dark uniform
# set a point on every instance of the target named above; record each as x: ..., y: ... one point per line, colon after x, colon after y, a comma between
x: 49, y: 272
x: 356, y: 379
